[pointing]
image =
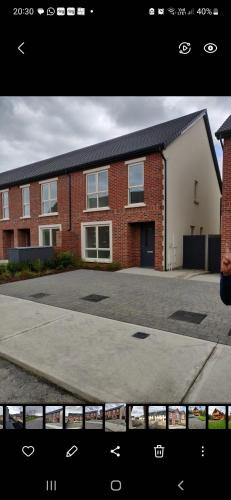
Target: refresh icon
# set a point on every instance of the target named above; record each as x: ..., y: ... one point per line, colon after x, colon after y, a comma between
x: 185, y: 48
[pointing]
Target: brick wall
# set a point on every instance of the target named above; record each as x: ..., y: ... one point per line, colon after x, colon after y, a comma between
x: 226, y: 197
x: 125, y: 221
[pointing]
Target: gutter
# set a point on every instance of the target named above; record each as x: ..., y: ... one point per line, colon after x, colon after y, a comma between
x: 165, y: 210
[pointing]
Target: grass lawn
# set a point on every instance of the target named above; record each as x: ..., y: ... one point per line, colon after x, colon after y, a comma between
x: 203, y: 418
x: 229, y: 425
x: 216, y: 424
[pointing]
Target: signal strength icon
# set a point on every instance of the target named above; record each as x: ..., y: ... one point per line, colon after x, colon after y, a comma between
x: 190, y: 12
x: 171, y: 10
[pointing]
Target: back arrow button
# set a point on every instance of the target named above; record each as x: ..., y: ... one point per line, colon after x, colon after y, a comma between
x: 180, y: 485
x: 19, y: 48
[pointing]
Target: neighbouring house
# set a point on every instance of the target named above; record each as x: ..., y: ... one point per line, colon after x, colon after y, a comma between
x: 93, y: 414
x: 176, y: 417
x: 54, y: 416
x: 157, y: 416
x: 74, y: 417
x: 218, y: 415
x: 130, y: 199
x: 117, y: 412
x: 196, y: 412
x: 224, y: 135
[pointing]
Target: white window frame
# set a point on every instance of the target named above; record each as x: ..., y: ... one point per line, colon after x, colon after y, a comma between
x: 83, y: 249
x: 130, y: 165
x: 26, y: 186
x: 5, y: 207
x: 48, y: 226
x: 48, y: 181
x: 96, y: 172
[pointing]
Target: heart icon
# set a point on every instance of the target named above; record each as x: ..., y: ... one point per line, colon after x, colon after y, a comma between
x: 28, y: 450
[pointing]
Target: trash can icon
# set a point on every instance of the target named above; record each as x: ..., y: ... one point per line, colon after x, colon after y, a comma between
x: 159, y: 451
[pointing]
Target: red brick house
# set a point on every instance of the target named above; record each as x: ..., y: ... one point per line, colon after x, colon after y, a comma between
x: 130, y: 199
x: 224, y: 135
x: 117, y: 412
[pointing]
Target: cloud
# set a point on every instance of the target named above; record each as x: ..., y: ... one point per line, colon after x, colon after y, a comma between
x: 33, y: 128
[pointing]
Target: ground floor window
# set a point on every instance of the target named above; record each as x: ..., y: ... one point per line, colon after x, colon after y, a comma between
x: 48, y: 235
x: 97, y: 242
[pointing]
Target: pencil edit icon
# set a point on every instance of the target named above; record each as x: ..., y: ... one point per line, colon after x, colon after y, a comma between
x: 71, y: 451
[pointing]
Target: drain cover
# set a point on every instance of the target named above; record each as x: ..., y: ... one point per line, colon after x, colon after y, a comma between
x: 188, y: 316
x: 141, y: 335
x: 95, y: 298
x: 40, y: 295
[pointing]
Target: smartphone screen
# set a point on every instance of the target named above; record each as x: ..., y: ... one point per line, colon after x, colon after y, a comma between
x: 115, y: 251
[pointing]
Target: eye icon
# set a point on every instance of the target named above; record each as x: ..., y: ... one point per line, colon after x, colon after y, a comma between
x: 210, y: 48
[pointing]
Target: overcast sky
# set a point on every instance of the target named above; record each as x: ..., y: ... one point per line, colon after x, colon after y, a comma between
x: 14, y: 409
x: 73, y: 409
x: 35, y: 128
x: 220, y: 408
x: 156, y: 408
x: 52, y: 408
x: 34, y: 410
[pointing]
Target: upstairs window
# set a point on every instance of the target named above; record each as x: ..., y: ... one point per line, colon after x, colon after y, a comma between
x: 135, y: 183
x: 49, y: 197
x: 26, y: 201
x: 97, y: 189
x: 5, y: 205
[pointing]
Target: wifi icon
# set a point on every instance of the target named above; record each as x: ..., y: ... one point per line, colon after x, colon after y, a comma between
x: 171, y: 10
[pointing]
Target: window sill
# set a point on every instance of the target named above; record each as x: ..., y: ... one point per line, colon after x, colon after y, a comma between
x: 25, y: 217
x: 49, y: 215
x: 135, y: 205
x: 98, y: 261
x: 101, y: 209
x: 2, y: 220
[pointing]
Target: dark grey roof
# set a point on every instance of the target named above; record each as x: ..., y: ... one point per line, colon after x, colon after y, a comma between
x: 225, y: 129
x: 155, y: 138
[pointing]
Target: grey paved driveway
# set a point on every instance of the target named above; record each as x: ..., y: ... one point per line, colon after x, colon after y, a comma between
x: 195, y: 423
x: 142, y: 300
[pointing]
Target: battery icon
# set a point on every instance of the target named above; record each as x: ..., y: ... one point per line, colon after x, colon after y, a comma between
x: 215, y: 12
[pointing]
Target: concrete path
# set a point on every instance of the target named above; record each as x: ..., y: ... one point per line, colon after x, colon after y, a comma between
x: 186, y: 274
x: 99, y: 360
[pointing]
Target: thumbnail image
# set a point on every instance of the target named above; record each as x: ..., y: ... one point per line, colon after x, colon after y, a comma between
x: 217, y: 417
x: 54, y: 417
x: 73, y: 417
x: 177, y: 417
x: 229, y: 417
x: 115, y: 417
x: 1, y: 417
x: 197, y: 417
x: 14, y: 417
x: 34, y: 417
x: 93, y: 417
x: 136, y: 419
x: 157, y: 417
